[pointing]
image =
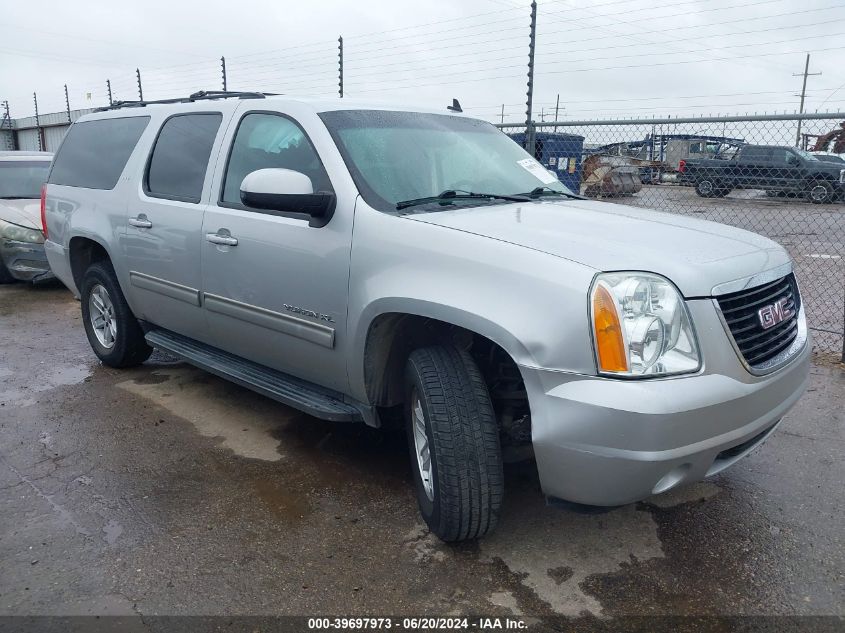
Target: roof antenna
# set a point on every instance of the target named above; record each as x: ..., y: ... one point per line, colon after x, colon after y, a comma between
x: 455, y: 107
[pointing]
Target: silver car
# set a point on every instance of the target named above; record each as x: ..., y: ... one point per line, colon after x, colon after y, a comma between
x: 354, y: 260
x: 22, y: 257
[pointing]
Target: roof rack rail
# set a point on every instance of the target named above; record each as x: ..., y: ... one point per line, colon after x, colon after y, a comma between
x: 201, y: 95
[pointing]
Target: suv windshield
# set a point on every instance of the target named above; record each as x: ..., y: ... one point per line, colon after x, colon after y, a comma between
x: 396, y: 157
x: 22, y: 179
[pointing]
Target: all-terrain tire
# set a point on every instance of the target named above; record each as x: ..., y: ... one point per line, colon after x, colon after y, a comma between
x: 467, y: 483
x: 128, y: 346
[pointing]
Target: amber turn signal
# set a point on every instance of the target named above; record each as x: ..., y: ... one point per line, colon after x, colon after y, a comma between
x: 610, y: 344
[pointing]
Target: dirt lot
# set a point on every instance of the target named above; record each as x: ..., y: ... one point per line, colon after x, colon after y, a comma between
x: 164, y: 490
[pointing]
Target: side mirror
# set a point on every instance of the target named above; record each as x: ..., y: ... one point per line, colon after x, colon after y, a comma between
x: 287, y: 191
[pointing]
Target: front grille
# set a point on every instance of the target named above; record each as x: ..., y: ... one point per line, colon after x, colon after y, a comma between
x: 741, y: 312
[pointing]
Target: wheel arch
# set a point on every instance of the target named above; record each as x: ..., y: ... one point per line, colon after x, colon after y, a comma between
x: 390, y: 335
x: 82, y: 252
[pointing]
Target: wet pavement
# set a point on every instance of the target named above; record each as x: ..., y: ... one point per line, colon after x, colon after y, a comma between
x: 165, y: 490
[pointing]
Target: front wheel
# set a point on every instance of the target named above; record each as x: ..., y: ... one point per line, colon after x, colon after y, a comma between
x: 454, y: 444
x: 820, y: 192
x: 113, y: 331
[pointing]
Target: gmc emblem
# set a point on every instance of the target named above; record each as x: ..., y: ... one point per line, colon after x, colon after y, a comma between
x: 776, y: 313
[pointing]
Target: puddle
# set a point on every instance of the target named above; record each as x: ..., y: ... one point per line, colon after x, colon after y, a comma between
x: 246, y: 423
x: 552, y: 550
x: 282, y: 500
x: 19, y: 389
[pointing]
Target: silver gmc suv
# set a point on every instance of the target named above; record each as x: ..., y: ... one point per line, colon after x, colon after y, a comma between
x: 355, y: 261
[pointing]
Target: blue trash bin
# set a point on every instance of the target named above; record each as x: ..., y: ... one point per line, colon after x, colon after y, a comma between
x: 560, y: 153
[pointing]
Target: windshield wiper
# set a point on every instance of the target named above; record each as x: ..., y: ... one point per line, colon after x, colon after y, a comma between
x: 449, y: 195
x: 548, y: 191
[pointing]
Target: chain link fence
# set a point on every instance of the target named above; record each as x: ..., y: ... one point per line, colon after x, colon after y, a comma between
x: 778, y: 175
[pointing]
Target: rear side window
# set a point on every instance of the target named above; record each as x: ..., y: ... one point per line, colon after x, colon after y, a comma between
x: 94, y: 153
x: 757, y: 153
x: 180, y: 157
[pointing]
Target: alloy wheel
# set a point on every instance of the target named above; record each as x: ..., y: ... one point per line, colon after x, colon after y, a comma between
x: 101, y: 315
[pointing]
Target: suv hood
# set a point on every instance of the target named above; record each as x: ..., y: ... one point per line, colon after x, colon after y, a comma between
x: 23, y: 212
x: 695, y: 254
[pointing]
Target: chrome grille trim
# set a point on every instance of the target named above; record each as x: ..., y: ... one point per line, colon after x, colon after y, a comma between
x: 760, y: 350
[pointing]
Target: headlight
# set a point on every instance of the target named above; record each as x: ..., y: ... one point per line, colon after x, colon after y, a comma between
x: 641, y: 326
x: 20, y: 233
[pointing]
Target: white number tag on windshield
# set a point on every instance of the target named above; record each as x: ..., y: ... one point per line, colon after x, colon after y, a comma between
x: 537, y: 170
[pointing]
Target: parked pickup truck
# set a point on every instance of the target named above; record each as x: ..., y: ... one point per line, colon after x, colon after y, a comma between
x: 777, y: 169
x: 358, y: 261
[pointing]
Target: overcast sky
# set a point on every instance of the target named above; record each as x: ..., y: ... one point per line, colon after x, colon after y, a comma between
x: 609, y: 58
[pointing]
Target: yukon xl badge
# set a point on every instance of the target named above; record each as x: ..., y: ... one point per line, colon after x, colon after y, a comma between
x: 310, y: 313
x: 775, y: 313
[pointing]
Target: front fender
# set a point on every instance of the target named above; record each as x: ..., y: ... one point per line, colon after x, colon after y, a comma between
x: 532, y: 304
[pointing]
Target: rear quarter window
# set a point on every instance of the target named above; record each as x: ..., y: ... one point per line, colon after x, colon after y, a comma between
x: 94, y: 153
x: 179, y: 159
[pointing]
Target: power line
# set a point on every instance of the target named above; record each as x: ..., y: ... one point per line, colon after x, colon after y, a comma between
x: 591, y: 59
x: 658, y: 97
x: 667, y: 46
x: 578, y: 70
x: 353, y: 58
x: 542, y: 53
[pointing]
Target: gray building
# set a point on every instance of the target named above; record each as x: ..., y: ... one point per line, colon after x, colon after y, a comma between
x: 45, y: 133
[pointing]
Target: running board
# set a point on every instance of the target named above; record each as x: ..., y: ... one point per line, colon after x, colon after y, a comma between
x: 299, y: 394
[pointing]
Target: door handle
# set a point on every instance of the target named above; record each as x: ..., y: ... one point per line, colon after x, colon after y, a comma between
x: 225, y: 240
x: 141, y: 222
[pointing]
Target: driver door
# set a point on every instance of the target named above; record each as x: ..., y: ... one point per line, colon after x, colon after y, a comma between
x: 275, y: 288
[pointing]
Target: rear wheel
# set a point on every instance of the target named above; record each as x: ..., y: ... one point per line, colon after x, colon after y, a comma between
x: 454, y: 444
x: 113, y: 331
x: 706, y: 188
x: 820, y: 192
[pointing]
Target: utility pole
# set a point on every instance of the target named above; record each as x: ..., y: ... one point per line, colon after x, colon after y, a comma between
x: 7, y: 123
x: 529, y: 124
x: 805, y: 74
x: 38, y: 123
x: 503, y: 114
x: 140, y: 89
x: 223, y: 67
x: 557, y: 108
x: 67, y: 105
x: 340, y: 66
x: 108, y: 87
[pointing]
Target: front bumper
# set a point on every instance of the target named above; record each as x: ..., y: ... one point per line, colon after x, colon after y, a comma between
x: 607, y: 442
x: 24, y: 260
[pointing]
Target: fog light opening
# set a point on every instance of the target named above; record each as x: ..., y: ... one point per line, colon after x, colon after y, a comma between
x: 672, y: 478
